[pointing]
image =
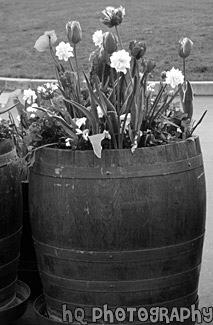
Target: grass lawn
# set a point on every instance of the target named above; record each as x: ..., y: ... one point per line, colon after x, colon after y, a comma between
x: 161, y: 23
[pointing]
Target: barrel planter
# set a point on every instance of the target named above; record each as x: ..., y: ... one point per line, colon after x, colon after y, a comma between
x: 125, y: 230
x: 10, y: 221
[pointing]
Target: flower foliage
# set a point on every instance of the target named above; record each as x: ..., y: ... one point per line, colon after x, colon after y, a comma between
x: 115, y: 106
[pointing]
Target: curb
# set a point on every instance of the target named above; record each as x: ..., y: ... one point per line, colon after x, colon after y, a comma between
x: 200, y: 88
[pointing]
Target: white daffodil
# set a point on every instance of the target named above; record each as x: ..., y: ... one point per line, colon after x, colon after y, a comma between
x: 174, y: 77
x: 98, y: 38
x: 64, y: 51
x: 29, y: 96
x: 120, y: 60
x: 80, y: 121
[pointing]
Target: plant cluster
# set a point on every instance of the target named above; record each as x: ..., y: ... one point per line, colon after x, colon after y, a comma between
x: 115, y: 106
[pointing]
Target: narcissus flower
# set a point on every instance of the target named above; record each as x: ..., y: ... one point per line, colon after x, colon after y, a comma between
x: 120, y: 61
x: 174, y: 77
x: 64, y: 51
x: 29, y: 96
x: 74, y: 32
x: 185, y: 46
x: 98, y: 38
x: 113, y: 16
x: 43, y: 42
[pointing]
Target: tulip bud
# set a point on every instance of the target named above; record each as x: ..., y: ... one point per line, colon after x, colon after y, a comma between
x: 110, y: 42
x: 137, y: 49
x: 185, y: 46
x: 149, y: 65
x: 74, y: 32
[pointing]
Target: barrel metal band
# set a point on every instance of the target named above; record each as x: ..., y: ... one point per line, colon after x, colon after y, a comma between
x: 122, y: 286
x: 66, y: 171
x: 120, y: 256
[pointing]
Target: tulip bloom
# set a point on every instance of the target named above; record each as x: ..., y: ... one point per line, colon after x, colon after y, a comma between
x: 110, y: 42
x: 74, y: 32
x: 43, y: 42
x: 185, y: 46
x: 137, y: 49
x: 113, y: 16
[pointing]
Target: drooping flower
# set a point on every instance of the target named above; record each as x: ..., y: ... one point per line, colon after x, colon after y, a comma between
x: 43, y: 42
x: 120, y: 60
x: 98, y: 38
x: 64, y: 51
x: 29, y: 96
x: 174, y: 77
x: 74, y: 32
x: 110, y: 42
x: 113, y: 16
x: 185, y: 46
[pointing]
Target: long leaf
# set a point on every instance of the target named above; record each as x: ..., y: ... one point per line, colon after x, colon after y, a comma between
x: 86, y: 113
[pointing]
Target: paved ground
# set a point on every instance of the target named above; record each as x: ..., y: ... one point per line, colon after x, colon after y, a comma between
x: 206, y: 137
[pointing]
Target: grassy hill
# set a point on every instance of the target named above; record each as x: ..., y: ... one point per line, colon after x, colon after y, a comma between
x: 161, y: 23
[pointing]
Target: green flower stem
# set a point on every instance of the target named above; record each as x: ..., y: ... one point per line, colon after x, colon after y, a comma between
x: 118, y: 111
x: 77, y: 69
x: 71, y: 65
x: 184, y: 68
x: 119, y: 37
x: 53, y: 55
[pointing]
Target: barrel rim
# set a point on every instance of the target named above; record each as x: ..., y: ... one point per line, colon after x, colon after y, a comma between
x: 191, y: 138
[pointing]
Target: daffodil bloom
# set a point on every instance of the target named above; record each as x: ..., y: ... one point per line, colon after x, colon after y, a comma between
x: 98, y: 38
x: 174, y: 77
x: 43, y: 42
x: 113, y: 16
x: 120, y: 60
x: 29, y: 96
x: 64, y: 51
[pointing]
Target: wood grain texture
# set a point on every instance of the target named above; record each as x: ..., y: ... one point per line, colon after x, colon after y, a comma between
x: 10, y: 221
x: 129, y: 234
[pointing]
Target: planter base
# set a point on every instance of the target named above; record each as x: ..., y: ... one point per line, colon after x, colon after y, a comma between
x: 13, y: 312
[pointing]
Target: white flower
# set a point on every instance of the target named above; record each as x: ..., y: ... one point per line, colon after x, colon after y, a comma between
x: 98, y: 38
x: 151, y: 87
x: 100, y: 112
x: 85, y: 134
x: 32, y: 116
x: 174, y: 77
x: 68, y: 142
x: 32, y: 108
x: 120, y: 60
x: 80, y: 121
x: 43, y: 41
x: 64, y: 51
x: 29, y: 96
x: 128, y: 120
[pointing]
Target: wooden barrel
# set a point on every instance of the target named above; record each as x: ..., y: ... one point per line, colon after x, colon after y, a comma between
x: 10, y: 221
x: 125, y: 230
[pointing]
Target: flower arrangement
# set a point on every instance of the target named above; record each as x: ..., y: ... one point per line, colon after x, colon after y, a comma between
x: 115, y: 106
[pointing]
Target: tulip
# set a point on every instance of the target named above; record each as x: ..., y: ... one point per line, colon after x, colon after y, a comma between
x: 103, y: 56
x: 149, y: 65
x: 110, y: 42
x: 113, y: 16
x: 185, y: 46
x: 44, y: 41
x: 74, y: 32
x: 137, y: 49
